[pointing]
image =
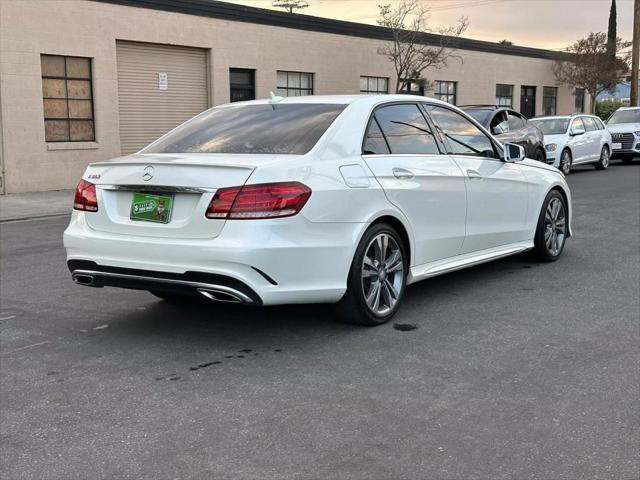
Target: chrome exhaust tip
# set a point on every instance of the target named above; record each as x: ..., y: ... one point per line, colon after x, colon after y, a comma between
x: 220, y: 296
x: 84, y: 279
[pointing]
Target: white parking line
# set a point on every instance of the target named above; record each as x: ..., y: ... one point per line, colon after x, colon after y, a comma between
x: 26, y: 347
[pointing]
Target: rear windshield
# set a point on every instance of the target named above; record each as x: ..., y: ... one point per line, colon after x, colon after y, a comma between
x: 552, y: 126
x: 259, y: 129
x: 479, y: 115
x: 624, y: 116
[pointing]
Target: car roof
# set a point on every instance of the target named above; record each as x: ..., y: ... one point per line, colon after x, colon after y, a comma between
x: 551, y: 117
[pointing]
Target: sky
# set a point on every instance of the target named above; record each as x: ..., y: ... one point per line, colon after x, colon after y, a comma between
x: 551, y: 24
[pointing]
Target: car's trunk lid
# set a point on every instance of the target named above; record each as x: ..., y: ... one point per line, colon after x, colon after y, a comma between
x: 191, y: 180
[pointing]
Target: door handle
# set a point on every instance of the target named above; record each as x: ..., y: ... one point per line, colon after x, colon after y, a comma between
x: 402, y: 173
x: 473, y: 174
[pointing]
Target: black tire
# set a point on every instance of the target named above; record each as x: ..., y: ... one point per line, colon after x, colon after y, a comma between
x: 540, y: 155
x: 173, y: 297
x: 603, y: 161
x: 566, y: 161
x: 541, y: 248
x: 353, y: 307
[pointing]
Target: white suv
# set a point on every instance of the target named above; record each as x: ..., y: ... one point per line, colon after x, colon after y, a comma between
x: 575, y: 139
x: 624, y: 126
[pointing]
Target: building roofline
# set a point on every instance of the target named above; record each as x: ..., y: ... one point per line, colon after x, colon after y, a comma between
x: 263, y: 16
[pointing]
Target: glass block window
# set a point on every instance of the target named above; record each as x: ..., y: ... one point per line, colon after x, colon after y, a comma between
x: 504, y: 95
x: 374, y: 85
x: 67, y: 95
x: 549, y: 100
x: 445, y: 91
x: 294, y: 84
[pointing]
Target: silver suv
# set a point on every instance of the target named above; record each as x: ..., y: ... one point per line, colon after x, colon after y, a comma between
x: 624, y: 126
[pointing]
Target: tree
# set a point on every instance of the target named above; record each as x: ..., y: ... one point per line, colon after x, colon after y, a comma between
x: 414, y: 45
x: 290, y: 5
x: 612, y: 32
x: 505, y: 42
x: 587, y: 65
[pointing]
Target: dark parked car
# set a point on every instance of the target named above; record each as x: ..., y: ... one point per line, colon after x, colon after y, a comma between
x: 507, y: 125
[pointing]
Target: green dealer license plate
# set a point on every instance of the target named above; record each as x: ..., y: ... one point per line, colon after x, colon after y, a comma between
x: 151, y: 208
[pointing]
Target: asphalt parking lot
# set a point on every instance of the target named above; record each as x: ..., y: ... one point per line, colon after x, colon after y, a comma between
x: 514, y: 370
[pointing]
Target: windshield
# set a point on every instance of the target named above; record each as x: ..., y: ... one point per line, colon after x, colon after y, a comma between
x: 480, y: 115
x: 259, y: 129
x: 552, y: 126
x: 624, y: 116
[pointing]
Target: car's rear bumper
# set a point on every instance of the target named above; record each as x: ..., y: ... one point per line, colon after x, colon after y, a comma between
x: 271, y: 262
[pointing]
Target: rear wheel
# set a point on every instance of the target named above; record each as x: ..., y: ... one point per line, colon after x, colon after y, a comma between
x: 377, y: 278
x: 552, y: 229
x: 565, y: 162
x: 603, y: 162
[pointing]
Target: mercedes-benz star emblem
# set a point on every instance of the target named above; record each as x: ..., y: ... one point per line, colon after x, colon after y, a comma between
x: 148, y: 173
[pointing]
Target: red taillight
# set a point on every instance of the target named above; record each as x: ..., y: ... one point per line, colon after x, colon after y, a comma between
x: 267, y: 200
x: 85, y: 198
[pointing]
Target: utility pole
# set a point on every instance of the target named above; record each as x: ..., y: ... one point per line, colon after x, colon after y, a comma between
x: 635, y: 53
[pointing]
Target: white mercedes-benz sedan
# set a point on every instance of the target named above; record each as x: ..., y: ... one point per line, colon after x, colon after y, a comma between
x: 336, y: 199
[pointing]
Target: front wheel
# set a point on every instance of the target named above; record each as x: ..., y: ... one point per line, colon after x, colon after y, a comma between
x: 565, y: 162
x: 552, y: 229
x: 377, y: 278
x: 603, y: 162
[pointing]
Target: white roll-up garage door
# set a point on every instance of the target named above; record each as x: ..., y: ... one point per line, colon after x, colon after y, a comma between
x: 159, y: 87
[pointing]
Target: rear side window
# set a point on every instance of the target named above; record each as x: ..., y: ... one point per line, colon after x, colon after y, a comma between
x: 375, y: 142
x: 462, y: 136
x: 406, y: 130
x: 577, y: 125
x: 500, y: 124
x: 598, y: 123
x: 589, y: 124
x: 516, y: 122
x: 257, y: 129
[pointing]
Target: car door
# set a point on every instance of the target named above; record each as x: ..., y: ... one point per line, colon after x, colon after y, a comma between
x: 424, y: 183
x: 594, y: 137
x: 578, y: 141
x: 497, y: 192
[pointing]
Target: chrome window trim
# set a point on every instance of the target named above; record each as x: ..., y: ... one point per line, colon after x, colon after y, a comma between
x: 157, y: 188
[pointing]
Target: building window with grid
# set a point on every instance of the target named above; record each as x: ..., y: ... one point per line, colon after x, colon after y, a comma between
x: 504, y: 95
x: 579, y: 93
x: 549, y: 100
x: 294, y: 84
x: 445, y: 91
x: 242, y: 84
x: 374, y: 85
x: 67, y: 96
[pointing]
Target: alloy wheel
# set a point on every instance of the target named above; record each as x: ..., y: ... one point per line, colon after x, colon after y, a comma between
x: 565, y: 162
x: 604, y: 157
x: 555, y: 226
x: 382, y: 274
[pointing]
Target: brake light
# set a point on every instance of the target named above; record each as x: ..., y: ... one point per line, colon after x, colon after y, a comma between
x: 267, y: 200
x: 85, y: 198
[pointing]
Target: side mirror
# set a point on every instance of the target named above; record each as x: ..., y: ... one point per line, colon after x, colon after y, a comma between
x: 577, y: 131
x: 513, y: 153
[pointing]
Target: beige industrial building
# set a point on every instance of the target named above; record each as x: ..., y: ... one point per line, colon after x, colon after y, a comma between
x: 83, y: 81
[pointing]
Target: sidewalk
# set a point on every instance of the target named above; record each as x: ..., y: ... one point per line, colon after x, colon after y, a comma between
x: 23, y: 206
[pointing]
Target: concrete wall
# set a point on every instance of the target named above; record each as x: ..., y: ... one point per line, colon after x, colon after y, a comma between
x: 90, y: 29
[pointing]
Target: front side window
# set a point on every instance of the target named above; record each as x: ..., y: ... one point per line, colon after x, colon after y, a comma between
x: 405, y: 130
x: 589, y: 124
x: 516, y: 122
x: 504, y: 95
x: 579, y: 93
x: 67, y: 97
x: 462, y: 137
x: 374, y: 85
x: 242, y: 84
x: 256, y: 129
x: 549, y: 99
x: 445, y: 91
x: 294, y: 84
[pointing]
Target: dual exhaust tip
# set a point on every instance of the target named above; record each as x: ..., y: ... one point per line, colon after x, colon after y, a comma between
x: 227, y: 295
